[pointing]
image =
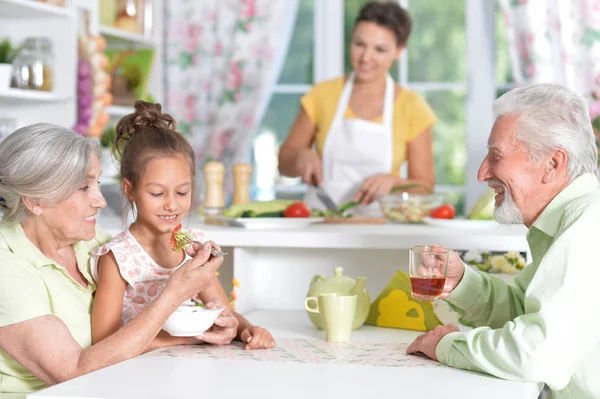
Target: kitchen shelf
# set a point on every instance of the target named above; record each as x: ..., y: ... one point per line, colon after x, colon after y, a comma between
x: 19, y: 9
x: 119, y: 111
x: 20, y: 95
x: 120, y: 38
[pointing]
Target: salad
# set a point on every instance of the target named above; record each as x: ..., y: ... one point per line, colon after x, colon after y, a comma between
x: 179, y: 239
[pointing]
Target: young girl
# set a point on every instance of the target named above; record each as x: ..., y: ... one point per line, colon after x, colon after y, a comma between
x: 157, y: 171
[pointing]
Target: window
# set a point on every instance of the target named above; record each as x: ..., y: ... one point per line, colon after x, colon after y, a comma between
x: 296, y: 79
x: 436, y: 64
x: 504, y: 77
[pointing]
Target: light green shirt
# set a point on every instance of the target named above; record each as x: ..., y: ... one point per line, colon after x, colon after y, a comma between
x: 33, y: 285
x: 545, y: 328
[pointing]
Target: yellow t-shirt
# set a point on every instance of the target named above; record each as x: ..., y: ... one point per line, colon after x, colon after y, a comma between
x: 412, y: 115
x: 32, y: 285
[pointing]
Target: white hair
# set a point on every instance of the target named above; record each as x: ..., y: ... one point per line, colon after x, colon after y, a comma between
x: 552, y: 117
x: 42, y: 162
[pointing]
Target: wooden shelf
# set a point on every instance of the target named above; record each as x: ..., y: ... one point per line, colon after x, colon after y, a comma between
x: 119, y: 111
x: 18, y: 9
x: 20, y: 95
x: 120, y: 38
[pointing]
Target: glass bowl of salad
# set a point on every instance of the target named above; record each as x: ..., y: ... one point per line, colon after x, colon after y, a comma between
x: 409, y: 208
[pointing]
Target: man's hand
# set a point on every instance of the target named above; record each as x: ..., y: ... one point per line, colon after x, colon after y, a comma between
x: 257, y: 337
x: 456, y: 270
x: 428, y: 342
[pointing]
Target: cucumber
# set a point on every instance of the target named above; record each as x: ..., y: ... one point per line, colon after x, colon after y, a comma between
x: 278, y: 214
x: 236, y: 211
x: 253, y: 214
x: 248, y: 214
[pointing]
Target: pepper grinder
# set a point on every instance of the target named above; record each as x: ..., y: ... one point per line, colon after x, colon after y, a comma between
x: 213, y: 177
x: 241, y: 183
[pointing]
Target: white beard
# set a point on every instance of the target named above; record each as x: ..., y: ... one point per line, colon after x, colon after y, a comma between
x: 508, y: 212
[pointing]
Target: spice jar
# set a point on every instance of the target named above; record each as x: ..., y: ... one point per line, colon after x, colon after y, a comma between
x: 33, y: 66
x: 213, y: 176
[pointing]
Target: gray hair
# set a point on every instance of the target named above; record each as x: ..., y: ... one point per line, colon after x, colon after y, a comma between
x: 552, y: 117
x: 42, y: 162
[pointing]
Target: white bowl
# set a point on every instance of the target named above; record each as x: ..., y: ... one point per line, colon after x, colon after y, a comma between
x: 191, y: 321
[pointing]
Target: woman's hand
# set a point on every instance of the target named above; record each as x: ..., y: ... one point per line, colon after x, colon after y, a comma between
x: 193, y: 249
x: 257, y: 337
x: 375, y: 186
x: 309, y: 166
x: 195, y: 275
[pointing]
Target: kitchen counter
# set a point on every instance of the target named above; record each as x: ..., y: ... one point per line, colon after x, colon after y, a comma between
x: 275, y: 267
x: 356, y: 236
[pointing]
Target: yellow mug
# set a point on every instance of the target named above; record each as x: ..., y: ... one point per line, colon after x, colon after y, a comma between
x: 337, y: 312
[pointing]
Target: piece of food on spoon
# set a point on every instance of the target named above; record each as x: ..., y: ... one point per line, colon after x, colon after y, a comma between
x: 179, y: 238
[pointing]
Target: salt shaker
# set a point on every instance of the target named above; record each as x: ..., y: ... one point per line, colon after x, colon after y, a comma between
x: 213, y: 176
x: 242, y: 173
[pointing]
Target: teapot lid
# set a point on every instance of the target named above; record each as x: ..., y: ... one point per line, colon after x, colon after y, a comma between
x: 339, y: 278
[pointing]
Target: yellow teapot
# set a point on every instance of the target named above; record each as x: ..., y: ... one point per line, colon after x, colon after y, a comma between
x: 341, y: 284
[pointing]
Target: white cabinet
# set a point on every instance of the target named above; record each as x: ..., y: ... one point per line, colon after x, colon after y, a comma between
x: 20, y: 19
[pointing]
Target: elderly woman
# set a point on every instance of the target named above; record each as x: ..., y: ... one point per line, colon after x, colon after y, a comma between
x: 49, y: 197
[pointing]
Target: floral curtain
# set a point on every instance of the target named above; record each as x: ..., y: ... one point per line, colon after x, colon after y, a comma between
x: 555, y: 41
x: 223, y: 57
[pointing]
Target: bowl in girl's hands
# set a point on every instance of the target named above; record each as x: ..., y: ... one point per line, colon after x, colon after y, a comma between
x: 191, y: 321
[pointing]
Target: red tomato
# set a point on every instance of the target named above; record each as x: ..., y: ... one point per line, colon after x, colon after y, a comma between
x: 446, y: 211
x: 297, y: 210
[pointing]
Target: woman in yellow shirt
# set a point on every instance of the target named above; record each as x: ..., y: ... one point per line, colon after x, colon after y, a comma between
x: 363, y: 126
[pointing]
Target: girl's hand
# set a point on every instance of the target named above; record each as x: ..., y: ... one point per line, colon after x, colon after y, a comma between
x: 195, y: 275
x: 257, y: 337
x: 375, y: 186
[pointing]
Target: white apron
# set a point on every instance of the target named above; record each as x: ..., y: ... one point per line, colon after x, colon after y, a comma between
x: 354, y: 150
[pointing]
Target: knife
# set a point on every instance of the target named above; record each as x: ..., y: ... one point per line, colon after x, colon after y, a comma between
x: 328, y: 202
x: 325, y: 198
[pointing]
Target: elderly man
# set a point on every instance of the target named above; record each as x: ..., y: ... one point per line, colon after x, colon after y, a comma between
x: 546, y: 328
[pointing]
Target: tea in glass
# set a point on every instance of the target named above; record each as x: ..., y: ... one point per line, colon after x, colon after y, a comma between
x: 428, y: 266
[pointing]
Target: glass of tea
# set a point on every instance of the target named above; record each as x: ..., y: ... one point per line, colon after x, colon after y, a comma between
x: 428, y: 266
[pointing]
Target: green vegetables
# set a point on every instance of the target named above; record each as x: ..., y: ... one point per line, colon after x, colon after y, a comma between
x: 179, y: 239
x: 254, y: 214
x: 317, y: 213
x: 258, y: 209
x: 405, y: 213
x: 484, y: 208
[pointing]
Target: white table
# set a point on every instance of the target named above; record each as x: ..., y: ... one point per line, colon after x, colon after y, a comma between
x: 151, y: 377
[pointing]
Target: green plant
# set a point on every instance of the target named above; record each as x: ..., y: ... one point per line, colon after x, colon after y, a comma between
x: 7, y: 52
x: 108, y: 137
